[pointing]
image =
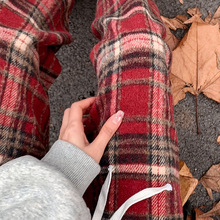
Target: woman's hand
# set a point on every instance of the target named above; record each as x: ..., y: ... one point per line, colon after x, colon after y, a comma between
x: 72, y: 129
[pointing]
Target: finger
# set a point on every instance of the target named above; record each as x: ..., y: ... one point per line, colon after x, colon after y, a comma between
x: 86, y: 103
x: 86, y: 140
x: 64, y: 121
x: 78, y: 108
x: 108, y: 130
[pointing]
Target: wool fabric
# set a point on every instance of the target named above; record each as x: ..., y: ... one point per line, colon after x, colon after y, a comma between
x: 132, y: 63
x: 31, y: 31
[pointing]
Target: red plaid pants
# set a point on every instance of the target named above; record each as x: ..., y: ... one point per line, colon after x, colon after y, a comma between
x: 132, y: 64
x: 31, y: 31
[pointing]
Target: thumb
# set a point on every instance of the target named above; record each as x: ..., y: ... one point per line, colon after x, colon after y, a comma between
x: 106, y: 133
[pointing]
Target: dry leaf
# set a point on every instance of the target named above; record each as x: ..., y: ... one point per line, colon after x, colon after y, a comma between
x: 196, y: 16
x: 182, y: 18
x: 175, y: 23
x: 170, y: 39
x: 218, y: 139
x: 181, y: 1
x: 208, y: 18
x: 187, y: 182
x: 216, y: 18
x: 188, y: 217
x: 195, y: 67
x: 217, y: 60
x: 211, y: 180
x: 194, y: 11
x: 199, y: 213
x: 214, y: 212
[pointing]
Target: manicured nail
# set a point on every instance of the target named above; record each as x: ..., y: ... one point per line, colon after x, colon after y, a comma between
x: 118, y: 117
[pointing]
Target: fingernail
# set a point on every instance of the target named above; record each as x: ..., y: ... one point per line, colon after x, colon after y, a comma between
x: 118, y: 117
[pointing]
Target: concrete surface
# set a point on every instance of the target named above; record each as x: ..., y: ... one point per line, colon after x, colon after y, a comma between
x: 78, y: 80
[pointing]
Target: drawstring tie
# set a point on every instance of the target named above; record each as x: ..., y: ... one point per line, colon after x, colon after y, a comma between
x: 141, y: 195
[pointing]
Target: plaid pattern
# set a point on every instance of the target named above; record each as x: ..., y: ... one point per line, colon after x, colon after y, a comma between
x: 31, y: 31
x: 132, y: 64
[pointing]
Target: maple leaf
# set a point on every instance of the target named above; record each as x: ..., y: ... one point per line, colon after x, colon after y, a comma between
x: 211, y: 180
x: 196, y: 16
x: 208, y: 18
x: 215, y: 19
x: 196, y: 62
x: 170, y: 39
x: 199, y: 214
x: 187, y: 182
x: 173, y: 23
x: 215, y: 211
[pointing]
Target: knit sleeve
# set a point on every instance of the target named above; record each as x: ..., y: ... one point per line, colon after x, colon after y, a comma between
x: 32, y: 189
x: 79, y: 167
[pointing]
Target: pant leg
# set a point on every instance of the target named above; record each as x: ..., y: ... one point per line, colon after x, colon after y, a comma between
x: 132, y: 63
x: 31, y: 31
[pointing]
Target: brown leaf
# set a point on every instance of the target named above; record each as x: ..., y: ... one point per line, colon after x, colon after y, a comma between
x: 214, y: 212
x: 199, y: 213
x: 188, y: 217
x: 170, y: 39
x: 181, y: 1
x: 175, y: 23
x: 187, y: 182
x: 208, y: 18
x: 195, y: 67
x: 218, y: 60
x: 211, y: 180
x: 181, y: 18
x: 218, y: 139
x: 216, y: 17
x: 196, y: 16
x: 194, y: 11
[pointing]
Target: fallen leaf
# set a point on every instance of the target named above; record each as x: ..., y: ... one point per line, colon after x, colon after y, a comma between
x: 196, y: 16
x: 217, y: 60
x: 194, y: 11
x: 211, y: 180
x: 208, y: 18
x: 187, y: 182
x: 188, y: 217
x: 214, y: 212
x: 218, y: 139
x: 175, y: 23
x: 181, y: 1
x: 216, y: 18
x: 170, y: 39
x: 199, y: 213
x: 195, y: 68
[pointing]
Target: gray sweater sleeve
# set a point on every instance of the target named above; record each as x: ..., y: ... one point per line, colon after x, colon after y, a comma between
x: 79, y: 167
x: 48, y: 189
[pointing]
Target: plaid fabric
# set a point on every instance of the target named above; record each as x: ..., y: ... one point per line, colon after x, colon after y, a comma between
x: 132, y: 64
x: 31, y: 31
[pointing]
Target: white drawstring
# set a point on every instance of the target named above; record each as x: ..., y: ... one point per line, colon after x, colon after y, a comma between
x: 143, y: 194
x: 103, y: 196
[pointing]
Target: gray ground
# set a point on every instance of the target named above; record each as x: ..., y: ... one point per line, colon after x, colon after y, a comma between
x: 78, y: 80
